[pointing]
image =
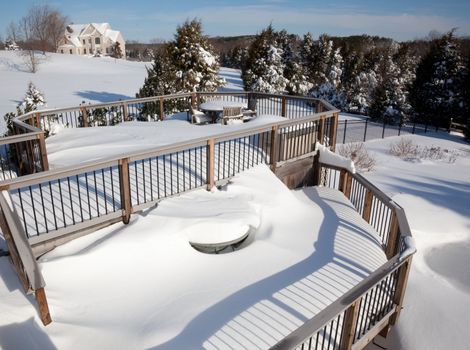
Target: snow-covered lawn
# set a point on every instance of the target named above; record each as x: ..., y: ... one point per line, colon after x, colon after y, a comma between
x: 67, y: 80
x: 436, y: 199
x: 143, y: 285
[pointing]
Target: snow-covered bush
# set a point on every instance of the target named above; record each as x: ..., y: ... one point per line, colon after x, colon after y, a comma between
x: 403, y: 148
x: 409, y: 151
x: 356, y: 151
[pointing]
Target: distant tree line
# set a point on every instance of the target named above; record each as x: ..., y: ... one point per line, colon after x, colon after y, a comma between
x: 41, y: 28
x: 379, y: 77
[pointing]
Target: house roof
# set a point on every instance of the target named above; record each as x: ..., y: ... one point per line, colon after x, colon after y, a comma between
x: 75, y: 31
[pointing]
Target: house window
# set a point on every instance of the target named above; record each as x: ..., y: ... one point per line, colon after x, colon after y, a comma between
x: 84, y: 42
x: 89, y: 41
x: 61, y: 51
x: 107, y: 50
x: 97, y: 41
x: 70, y: 51
x: 84, y: 51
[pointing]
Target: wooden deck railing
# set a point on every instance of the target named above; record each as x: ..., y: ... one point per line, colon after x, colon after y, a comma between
x: 54, y: 206
x: 374, y: 305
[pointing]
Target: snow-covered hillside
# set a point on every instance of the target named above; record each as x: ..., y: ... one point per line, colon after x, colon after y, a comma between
x: 67, y: 80
x: 436, y: 197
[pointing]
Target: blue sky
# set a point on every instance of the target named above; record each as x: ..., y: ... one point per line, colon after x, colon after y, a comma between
x: 145, y: 20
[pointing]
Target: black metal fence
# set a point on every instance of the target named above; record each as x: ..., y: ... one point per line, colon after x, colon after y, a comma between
x: 356, y: 130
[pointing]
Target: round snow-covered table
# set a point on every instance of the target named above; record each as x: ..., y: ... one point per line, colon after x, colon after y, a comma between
x: 218, y: 105
x: 216, y: 241
x: 215, y: 108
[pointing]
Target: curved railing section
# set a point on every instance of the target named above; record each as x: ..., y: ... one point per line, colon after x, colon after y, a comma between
x: 27, y: 154
x: 373, y: 305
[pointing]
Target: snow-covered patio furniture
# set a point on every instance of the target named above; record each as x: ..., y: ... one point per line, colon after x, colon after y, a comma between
x: 232, y: 114
x: 199, y: 118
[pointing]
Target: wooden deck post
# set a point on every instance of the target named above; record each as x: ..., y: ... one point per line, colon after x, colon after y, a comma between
x: 193, y: 100
x: 392, y: 237
x: 124, y: 185
x: 162, y: 111
x: 14, y: 255
x: 38, y: 120
x: 349, y: 325
x: 43, y: 152
x: 403, y: 274
x: 274, y: 147
x: 343, y: 180
x: 210, y: 163
x: 333, y: 130
x: 283, y: 107
x: 316, y: 170
x: 43, y: 306
x: 318, y: 107
x: 125, y: 111
x: 321, y: 130
x: 367, y: 205
x: 84, y: 112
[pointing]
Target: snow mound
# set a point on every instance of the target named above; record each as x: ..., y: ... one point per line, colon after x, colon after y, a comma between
x: 331, y: 158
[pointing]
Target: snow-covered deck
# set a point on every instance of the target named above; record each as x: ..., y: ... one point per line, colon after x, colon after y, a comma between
x: 143, y: 286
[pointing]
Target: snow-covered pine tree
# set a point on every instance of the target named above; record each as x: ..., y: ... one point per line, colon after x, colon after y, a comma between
x: 32, y: 100
x: 161, y: 80
x: 195, y: 65
x: 117, y: 50
x: 331, y: 89
x: 390, y: 98
x: 435, y: 94
x: 297, y: 81
x: 264, y: 68
x: 361, y: 89
x: 466, y: 99
x: 315, y: 56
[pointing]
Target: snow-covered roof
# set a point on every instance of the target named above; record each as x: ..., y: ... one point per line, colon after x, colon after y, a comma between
x: 76, y: 31
x: 112, y: 34
x: 101, y: 27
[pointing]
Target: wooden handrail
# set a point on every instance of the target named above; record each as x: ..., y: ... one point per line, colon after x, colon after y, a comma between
x: 40, y: 177
x: 400, y: 260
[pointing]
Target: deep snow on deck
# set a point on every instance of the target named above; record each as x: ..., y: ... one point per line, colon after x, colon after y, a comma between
x: 142, y: 285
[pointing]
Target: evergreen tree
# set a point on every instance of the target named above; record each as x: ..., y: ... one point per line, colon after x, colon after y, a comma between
x: 117, y: 51
x: 264, y: 68
x: 32, y: 100
x: 194, y: 63
x: 466, y: 99
x: 161, y: 80
x: 331, y: 89
x: 435, y: 94
x: 390, y: 98
x: 316, y: 57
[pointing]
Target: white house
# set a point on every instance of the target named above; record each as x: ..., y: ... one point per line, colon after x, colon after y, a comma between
x: 89, y: 39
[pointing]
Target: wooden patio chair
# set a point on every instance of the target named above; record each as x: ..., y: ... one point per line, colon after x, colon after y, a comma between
x: 231, y: 114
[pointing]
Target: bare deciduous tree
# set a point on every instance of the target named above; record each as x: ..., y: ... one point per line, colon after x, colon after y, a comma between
x: 13, y: 32
x: 42, y: 28
x: 31, y: 60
